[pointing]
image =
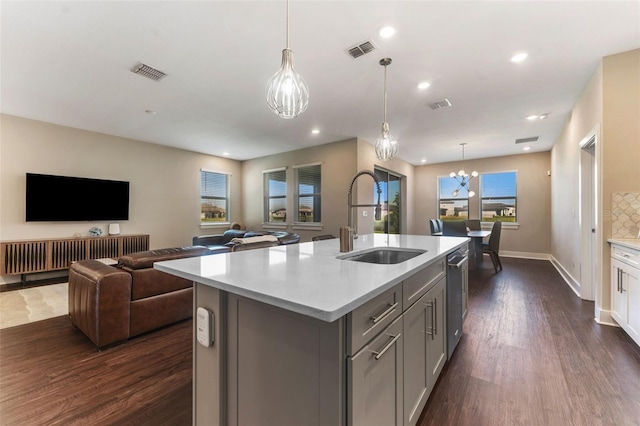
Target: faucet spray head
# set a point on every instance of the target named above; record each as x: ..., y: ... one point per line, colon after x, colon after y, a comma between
x: 378, y: 210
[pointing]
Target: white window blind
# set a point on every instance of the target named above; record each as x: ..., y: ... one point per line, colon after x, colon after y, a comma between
x: 214, y: 197
x: 309, y: 193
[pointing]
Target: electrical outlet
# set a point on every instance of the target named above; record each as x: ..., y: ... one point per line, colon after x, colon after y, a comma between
x: 365, y: 213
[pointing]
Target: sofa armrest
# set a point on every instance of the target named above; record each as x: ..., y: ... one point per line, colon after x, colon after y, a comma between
x: 99, y: 301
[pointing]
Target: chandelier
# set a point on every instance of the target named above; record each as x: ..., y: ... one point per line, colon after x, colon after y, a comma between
x: 386, y: 145
x: 287, y: 93
x: 463, y: 178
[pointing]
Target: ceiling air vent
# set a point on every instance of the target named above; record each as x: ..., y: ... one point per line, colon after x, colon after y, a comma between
x: 443, y: 103
x: 147, y: 71
x: 361, y: 49
x: 525, y: 140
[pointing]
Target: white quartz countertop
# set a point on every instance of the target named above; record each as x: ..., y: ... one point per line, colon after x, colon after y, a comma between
x: 632, y: 243
x: 307, y: 278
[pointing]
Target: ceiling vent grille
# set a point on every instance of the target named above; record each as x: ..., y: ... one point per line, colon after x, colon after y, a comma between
x: 147, y: 71
x: 443, y: 103
x: 525, y: 140
x: 361, y: 49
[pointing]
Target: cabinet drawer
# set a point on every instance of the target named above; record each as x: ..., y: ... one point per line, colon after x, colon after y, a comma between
x: 416, y: 285
x: 365, y: 322
x: 626, y: 255
x: 374, y: 380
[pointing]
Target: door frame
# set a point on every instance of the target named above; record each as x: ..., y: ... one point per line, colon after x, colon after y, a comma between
x: 589, y: 221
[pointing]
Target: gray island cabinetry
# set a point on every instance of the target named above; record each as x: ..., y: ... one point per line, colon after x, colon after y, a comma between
x: 300, y: 337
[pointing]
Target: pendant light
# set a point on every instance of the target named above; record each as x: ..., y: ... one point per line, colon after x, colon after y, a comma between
x: 463, y: 178
x: 287, y: 93
x: 386, y: 145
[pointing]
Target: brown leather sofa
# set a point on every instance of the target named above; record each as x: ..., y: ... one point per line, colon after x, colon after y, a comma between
x: 112, y: 304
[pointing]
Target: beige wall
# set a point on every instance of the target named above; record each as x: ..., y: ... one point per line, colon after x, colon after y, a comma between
x: 583, y: 121
x: 533, y: 235
x: 609, y: 107
x: 165, y: 182
x: 338, y: 161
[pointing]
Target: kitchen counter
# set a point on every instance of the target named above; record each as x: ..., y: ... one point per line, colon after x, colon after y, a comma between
x: 632, y: 243
x: 307, y: 278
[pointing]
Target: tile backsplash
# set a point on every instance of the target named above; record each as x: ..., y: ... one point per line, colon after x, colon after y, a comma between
x: 625, y: 214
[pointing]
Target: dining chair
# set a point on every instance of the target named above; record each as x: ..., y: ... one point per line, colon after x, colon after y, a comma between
x: 439, y: 222
x: 434, y: 226
x: 493, y: 247
x: 454, y: 228
x: 474, y: 225
x: 322, y: 237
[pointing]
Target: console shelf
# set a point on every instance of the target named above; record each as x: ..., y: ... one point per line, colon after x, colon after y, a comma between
x: 31, y: 256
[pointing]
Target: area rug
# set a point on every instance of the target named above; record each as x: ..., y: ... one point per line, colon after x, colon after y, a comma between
x: 28, y: 305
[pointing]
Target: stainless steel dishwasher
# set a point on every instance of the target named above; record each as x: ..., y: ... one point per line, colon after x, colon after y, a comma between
x: 457, y: 280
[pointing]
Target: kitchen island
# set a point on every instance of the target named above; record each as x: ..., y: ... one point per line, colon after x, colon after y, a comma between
x: 301, y: 336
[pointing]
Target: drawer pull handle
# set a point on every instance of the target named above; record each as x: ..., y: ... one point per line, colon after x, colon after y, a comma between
x: 390, y: 309
x: 378, y: 355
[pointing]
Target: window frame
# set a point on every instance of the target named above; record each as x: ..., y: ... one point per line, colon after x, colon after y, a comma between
x: 226, y: 198
x: 481, y: 198
x: 267, y: 197
x: 317, y: 196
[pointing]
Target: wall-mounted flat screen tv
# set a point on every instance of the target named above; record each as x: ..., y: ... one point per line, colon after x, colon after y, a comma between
x: 65, y: 199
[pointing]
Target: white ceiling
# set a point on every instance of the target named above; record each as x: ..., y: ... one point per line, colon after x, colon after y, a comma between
x: 68, y: 63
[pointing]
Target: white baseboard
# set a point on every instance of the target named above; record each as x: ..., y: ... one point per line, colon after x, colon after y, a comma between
x: 525, y: 255
x: 571, y: 282
x: 604, y: 317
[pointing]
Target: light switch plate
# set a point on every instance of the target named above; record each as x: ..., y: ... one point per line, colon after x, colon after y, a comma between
x: 204, y: 327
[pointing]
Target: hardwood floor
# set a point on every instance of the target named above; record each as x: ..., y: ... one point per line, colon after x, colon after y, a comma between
x: 50, y: 374
x: 531, y: 354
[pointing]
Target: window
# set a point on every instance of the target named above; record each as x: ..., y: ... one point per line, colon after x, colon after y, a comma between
x: 214, y: 197
x: 452, y: 208
x: 498, y: 196
x: 308, y: 193
x: 275, y: 195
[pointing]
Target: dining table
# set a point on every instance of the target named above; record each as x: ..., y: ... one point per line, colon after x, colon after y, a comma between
x: 475, y: 250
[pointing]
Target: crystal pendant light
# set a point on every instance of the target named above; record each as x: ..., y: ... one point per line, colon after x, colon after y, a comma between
x: 463, y: 178
x: 287, y: 93
x: 386, y: 145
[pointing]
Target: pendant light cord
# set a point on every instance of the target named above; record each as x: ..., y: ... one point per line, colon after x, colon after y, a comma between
x: 287, y: 24
x: 385, y: 93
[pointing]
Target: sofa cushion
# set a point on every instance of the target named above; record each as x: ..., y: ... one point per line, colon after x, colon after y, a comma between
x: 146, y: 259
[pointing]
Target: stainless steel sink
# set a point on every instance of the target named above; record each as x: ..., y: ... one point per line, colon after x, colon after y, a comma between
x: 383, y: 256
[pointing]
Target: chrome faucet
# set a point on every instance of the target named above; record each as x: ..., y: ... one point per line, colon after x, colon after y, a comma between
x: 378, y: 206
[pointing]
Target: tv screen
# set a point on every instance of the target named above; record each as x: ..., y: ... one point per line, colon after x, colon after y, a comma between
x: 64, y: 199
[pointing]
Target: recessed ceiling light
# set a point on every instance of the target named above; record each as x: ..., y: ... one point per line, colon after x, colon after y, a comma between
x: 532, y: 117
x: 226, y: 154
x: 424, y: 160
x: 526, y: 148
x: 519, y: 57
x: 423, y: 85
x: 543, y: 116
x: 387, y: 32
x: 315, y: 131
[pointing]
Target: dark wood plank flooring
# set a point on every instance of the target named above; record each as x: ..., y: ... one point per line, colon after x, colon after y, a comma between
x: 531, y: 354
x: 50, y: 374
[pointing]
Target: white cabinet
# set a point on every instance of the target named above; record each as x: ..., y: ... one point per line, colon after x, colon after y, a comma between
x: 375, y: 391
x: 424, y: 349
x: 625, y: 289
x: 437, y: 345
